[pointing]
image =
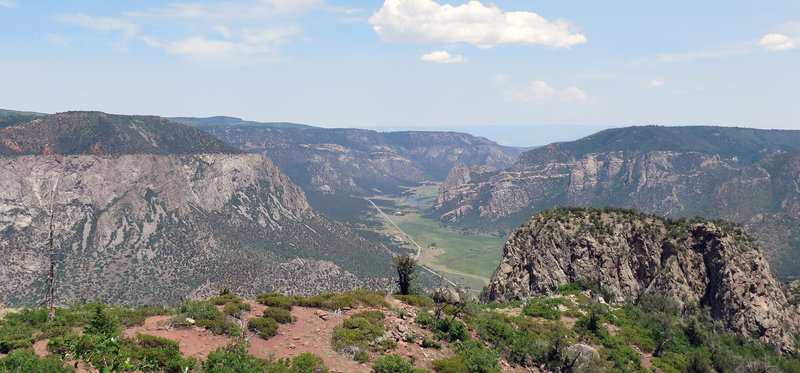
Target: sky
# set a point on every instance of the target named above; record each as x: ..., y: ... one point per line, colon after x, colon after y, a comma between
x: 410, y: 63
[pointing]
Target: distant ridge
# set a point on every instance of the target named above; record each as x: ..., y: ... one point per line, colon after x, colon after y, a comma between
x: 91, y: 132
x: 12, y: 117
x: 233, y: 121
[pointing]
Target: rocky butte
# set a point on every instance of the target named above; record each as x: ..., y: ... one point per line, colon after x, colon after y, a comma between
x: 149, y: 211
x: 627, y: 254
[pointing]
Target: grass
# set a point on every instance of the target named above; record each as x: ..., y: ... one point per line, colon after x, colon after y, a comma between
x: 471, y: 254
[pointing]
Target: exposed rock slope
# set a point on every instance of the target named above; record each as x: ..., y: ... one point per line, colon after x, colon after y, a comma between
x: 354, y: 161
x: 626, y: 254
x: 150, y: 228
x: 745, y: 175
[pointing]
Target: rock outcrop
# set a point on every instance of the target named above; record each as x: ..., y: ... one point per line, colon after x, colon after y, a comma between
x: 139, y: 228
x: 744, y: 175
x: 625, y: 254
x: 355, y: 161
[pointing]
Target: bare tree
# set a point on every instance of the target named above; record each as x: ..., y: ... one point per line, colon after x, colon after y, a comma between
x: 51, y: 275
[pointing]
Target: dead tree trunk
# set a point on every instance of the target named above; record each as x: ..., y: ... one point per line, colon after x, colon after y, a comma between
x: 51, y: 275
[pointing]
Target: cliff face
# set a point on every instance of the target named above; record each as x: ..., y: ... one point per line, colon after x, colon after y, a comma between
x: 744, y: 175
x: 353, y: 161
x: 154, y: 228
x: 626, y: 254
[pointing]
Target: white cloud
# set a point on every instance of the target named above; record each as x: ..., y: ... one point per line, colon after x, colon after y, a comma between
x: 539, y: 91
x: 250, y: 46
x: 442, y: 57
x: 778, y: 42
x: 101, y: 24
x: 656, y: 83
x: 58, y: 40
x: 249, y: 9
x: 500, y: 78
x: 425, y: 21
x: 223, y: 30
x: 9, y: 3
x: 703, y: 55
x: 573, y: 93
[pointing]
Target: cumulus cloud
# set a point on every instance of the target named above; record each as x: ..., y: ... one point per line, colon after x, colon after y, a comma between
x: 442, y: 57
x: 778, y: 42
x: 656, y: 83
x: 9, y: 3
x: 101, y: 24
x: 540, y: 91
x: 425, y: 21
x: 248, y: 46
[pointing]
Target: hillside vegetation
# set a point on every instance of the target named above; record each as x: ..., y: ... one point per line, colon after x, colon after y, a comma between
x: 570, y: 331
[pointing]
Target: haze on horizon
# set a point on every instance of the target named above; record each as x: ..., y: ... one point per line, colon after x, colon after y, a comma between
x: 409, y: 63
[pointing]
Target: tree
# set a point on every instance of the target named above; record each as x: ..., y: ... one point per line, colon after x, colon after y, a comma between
x: 405, y: 266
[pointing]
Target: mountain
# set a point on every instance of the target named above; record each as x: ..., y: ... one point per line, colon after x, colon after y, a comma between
x: 745, y: 175
x: 627, y: 255
x: 12, y: 117
x: 232, y: 121
x: 344, y: 161
x: 147, y: 210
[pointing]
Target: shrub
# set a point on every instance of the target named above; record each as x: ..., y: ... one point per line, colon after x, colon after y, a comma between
x: 361, y: 356
x: 388, y: 344
x: 234, y: 358
x: 451, y: 330
x: 101, y: 322
x: 200, y: 310
x: 359, y: 332
x: 27, y: 361
x: 236, y: 308
x: 427, y: 343
x: 265, y: 326
x: 348, y: 299
x: 424, y: 318
x: 545, y: 308
x: 496, y: 332
x: 281, y: 315
x: 394, y: 364
x: 308, y: 363
x: 453, y: 364
x: 276, y: 300
x: 13, y: 337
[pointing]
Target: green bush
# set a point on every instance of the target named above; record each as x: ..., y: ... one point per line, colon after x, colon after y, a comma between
x: 394, y: 364
x: 281, y: 315
x: 388, y: 344
x: 359, y: 332
x: 101, y: 322
x: 235, y: 359
x: 265, y: 326
x: 236, y: 308
x: 361, y: 356
x: 276, y: 300
x: 546, y: 308
x: 348, y: 299
x: 308, y: 363
x: 451, y: 330
x: 424, y: 318
x: 200, y: 310
x: 496, y: 332
x: 427, y: 343
x: 25, y: 361
x: 13, y: 337
x: 162, y: 354
x: 453, y: 364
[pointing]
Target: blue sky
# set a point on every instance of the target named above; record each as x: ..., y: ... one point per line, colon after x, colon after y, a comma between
x: 420, y: 63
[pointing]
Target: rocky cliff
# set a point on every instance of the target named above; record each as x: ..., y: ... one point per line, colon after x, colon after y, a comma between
x: 745, y: 175
x: 151, y: 228
x: 354, y: 161
x: 625, y: 254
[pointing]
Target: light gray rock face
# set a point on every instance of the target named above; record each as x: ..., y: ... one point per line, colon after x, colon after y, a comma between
x: 661, y: 182
x: 627, y: 254
x: 147, y: 228
x: 354, y: 161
